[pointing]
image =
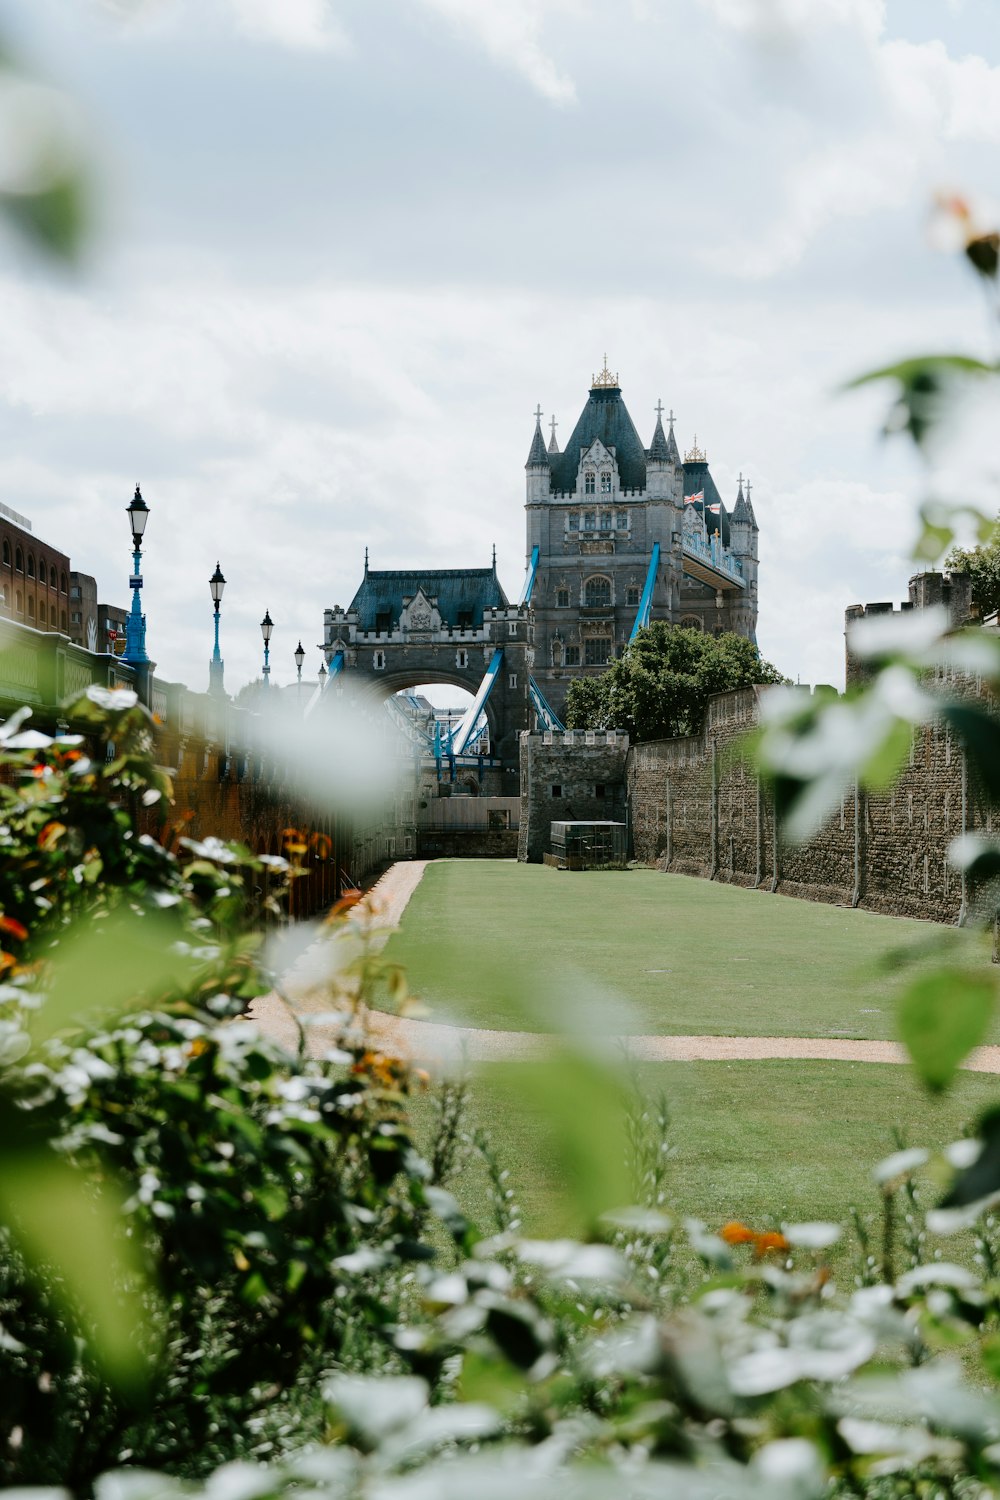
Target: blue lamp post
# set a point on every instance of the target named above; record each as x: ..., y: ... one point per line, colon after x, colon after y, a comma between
x: 135, y: 625
x: 216, y: 667
x: 266, y: 626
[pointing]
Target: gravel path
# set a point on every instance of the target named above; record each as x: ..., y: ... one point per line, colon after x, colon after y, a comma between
x: 432, y: 1042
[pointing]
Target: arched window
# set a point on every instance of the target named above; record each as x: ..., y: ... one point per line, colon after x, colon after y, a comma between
x: 62, y: 622
x: 692, y: 622
x: 597, y: 592
x: 18, y: 602
x: 588, y: 482
x: 605, y: 481
x: 31, y: 607
x: 31, y: 565
x: 6, y: 553
x: 632, y: 595
x: 53, y: 577
x: 19, y: 560
x: 62, y: 582
x: 42, y: 613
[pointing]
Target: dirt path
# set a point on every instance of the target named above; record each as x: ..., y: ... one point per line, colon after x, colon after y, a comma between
x: 432, y: 1042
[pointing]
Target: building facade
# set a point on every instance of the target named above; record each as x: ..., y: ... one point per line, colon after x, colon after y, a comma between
x: 596, y: 511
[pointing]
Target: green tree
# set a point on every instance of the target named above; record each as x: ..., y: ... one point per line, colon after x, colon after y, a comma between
x: 660, y: 686
x: 983, y: 564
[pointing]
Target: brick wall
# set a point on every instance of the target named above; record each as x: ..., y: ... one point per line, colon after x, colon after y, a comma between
x: 565, y: 779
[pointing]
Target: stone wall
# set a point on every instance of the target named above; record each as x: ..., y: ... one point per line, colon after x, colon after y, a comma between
x: 698, y: 808
x: 567, y: 777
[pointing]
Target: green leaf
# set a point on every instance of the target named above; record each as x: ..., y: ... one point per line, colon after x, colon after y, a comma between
x: 925, y: 387
x: 59, y: 1222
x: 942, y: 1017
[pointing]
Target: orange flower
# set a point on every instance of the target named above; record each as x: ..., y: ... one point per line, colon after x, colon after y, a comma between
x: 735, y: 1233
x: 768, y: 1241
x: 345, y: 903
x: 7, y: 961
x: 50, y: 835
x: 13, y: 928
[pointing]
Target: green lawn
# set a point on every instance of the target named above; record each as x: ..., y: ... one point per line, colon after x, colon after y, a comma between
x: 763, y: 1142
x: 525, y: 947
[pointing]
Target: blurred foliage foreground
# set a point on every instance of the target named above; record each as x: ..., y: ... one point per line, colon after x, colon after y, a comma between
x: 224, y: 1268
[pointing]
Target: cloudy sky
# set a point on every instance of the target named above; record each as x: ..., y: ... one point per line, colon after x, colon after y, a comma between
x: 345, y: 246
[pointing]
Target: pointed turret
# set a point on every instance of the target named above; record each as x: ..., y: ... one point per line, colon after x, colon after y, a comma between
x: 753, y: 518
x: 742, y: 514
x: 673, y: 452
x: 537, y: 454
x: 658, y: 450
x: 553, y: 445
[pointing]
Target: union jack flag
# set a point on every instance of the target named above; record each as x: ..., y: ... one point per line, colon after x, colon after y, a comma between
x: 694, y: 499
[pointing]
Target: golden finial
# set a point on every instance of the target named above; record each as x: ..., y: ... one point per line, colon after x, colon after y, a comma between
x: 696, y: 455
x: 605, y: 380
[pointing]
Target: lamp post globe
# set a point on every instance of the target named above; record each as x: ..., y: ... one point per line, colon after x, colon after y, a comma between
x: 300, y: 657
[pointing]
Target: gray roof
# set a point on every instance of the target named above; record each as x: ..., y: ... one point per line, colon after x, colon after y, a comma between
x: 605, y: 416
x: 456, y: 591
x: 537, y: 453
x: 658, y: 447
x: 741, y: 510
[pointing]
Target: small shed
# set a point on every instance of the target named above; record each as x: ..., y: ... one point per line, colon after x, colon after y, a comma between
x: 587, y: 846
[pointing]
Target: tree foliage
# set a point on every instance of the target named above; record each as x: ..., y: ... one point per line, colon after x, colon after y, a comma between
x: 659, y: 688
x: 982, y: 563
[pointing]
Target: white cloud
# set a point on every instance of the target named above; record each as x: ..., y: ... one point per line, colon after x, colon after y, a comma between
x: 511, y: 32
x: 303, y: 25
x: 784, y: 20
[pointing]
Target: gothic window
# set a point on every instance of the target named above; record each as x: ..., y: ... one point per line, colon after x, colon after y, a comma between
x: 18, y: 602
x: 512, y: 627
x: 597, y: 651
x: 588, y: 482
x: 378, y: 661
x: 62, y: 582
x: 605, y: 481
x: 31, y: 608
x: 572, y: 656
x: 562, y: 598
x: 557, y: 653
x: 461, y: 658
x: 605, y: 520
x: 41, y: 613
x: 31, y: 565
x: 632, y: 595
x: 512, y: 679
x: 691, y: 622
x: 19, y: 560
x: 597, y: 592
x: 621, y: 520
x: 574, y: 520
x: 589, y: 521
x: 6, y: 553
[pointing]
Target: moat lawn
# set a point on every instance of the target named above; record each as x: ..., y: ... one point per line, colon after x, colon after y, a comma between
x: 763, y: 1142
x: 524, y: 947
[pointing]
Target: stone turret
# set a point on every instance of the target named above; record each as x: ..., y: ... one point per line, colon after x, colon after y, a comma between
x: 660, y: 467
x: 537, y: 467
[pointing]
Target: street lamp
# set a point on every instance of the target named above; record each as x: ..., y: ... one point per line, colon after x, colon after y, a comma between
x: 216, y: 667
x: 266, y: 626
x: 300, y: 657
x: 135, y: 625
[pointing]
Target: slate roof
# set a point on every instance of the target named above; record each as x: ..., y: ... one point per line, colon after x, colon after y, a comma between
x: 673, y: 452
x: 697, y: 476
x: 605, y: 416
x: 741, y: 510
x: 537, y: 453
x: 658, y: 447
x: 456, y: 591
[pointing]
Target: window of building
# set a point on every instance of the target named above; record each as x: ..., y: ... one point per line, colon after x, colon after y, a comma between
x: 53, y: 578
x: 31, y: 565
x: 562, y: 598
x: 621, y: 520
x: 62, y: 582
x: 588, y: 482
x: 76, y: 592
x: 589, y: 521
x: 556, y: 789
x: 691, y: 622
x: 512, y: 627
x: 18, y: 602
x: 383, y: 623
x: 597, y: 592
x: 599, y: 789
x: 19, y: 560
x: 572, y: 656
x: 378, y: 661
x: 632, y: 595
x: 62, y: 620
x: 605, y: 520
x: 462, y: 658
x: 464, y: 619
x: 597, y: 650
x: 31, y: 608
x: 76, y: 617
x: 605, y: 481
x: 512, y: 679
x: 6, y: 553
x: 42, y: 613
x: 574, y: 520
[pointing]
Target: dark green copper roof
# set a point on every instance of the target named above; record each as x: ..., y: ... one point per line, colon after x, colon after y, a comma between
x: 467, y: 591
x: 605, y: 416
x: 697, y: 477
